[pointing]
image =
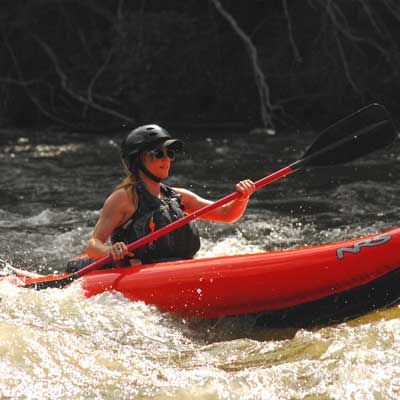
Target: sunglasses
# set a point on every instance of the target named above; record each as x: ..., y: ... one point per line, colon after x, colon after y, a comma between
x: 161, y: 154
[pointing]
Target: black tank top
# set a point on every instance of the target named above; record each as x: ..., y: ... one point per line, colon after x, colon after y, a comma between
x: 152, y: 214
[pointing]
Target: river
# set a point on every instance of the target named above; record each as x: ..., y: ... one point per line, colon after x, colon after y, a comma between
x: 56, y: 344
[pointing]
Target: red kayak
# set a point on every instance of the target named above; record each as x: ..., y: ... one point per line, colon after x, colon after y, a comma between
x: 332, y: 282
x: 336, y: 280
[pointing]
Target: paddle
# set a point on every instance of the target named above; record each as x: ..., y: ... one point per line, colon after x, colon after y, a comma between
x: 360, y: 133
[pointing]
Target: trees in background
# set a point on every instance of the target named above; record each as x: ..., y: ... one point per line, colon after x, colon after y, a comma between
x: 114, y: 64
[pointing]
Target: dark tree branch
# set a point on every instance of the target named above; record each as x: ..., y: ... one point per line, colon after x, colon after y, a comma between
x: 96, y: 76
x: 370, y: 13
x: 65, y: 86
x: 295, y: 49
x: 346, y: 65
x: 263, y: 89
x: 21, y: 81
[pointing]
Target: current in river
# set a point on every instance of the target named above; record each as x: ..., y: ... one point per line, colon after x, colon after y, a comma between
x: 56, y: 344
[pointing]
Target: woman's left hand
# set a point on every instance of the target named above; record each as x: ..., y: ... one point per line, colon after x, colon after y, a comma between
x: 246, y: 188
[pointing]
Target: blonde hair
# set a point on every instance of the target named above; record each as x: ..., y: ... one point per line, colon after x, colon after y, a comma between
x: 129, y: 184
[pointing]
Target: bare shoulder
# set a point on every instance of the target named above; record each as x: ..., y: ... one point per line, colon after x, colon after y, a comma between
x: 119, y: 197
x: 116, y: 210
x: 119, y: 202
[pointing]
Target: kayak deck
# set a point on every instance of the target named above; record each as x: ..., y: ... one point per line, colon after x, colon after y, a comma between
x: 276, y: 281
x: 299, y: 287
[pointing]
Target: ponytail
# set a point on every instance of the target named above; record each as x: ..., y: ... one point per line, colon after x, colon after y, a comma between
x: 129, y: 184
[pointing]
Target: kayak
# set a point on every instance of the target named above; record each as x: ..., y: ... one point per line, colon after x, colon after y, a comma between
x: 302, y: 286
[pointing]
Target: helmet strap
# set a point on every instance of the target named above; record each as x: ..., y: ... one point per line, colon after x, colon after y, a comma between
x: 148, y: 173
x: 135, y: 165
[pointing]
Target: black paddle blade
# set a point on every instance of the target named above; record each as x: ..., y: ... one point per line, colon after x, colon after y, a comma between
x: 51, y: 283
x: 362, y: 132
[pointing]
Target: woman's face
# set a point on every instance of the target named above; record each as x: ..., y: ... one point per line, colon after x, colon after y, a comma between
x: 158, y: 162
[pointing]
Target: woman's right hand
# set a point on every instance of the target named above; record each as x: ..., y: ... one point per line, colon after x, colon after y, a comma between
x: 118, y: 251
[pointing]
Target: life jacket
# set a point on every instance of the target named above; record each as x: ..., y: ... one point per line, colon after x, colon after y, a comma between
x: 152, y: 214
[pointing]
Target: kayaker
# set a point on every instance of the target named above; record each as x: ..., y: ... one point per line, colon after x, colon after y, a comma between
x: 142, y: 204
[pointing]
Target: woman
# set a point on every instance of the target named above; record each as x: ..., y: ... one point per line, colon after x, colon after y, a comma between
x: 142, y: 204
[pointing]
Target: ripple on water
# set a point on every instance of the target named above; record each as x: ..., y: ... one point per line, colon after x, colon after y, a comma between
x: 54, y: 342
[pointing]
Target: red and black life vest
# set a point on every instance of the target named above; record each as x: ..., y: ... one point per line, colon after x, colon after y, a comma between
x: 152, y: 214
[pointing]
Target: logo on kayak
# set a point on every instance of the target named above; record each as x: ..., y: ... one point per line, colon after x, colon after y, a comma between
x: 376, y: 241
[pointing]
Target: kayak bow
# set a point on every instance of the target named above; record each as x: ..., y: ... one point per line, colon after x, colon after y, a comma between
x: 331, y: 280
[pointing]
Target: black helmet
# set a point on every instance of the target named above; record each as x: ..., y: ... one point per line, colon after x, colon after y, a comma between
x: 147, y: 137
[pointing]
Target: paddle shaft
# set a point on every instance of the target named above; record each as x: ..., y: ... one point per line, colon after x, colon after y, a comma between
x: 233, y: 196
x: 188, y: 218
x: 360, y: 133
x: 66, y: 279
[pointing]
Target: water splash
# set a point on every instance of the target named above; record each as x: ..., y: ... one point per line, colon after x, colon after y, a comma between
x: 56, y: 343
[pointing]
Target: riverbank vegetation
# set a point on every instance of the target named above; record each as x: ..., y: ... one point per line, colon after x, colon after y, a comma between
x: 115, y: 64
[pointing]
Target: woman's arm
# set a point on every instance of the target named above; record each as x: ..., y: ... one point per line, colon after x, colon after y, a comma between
x: 116, y: 210
x: 230, y: 212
